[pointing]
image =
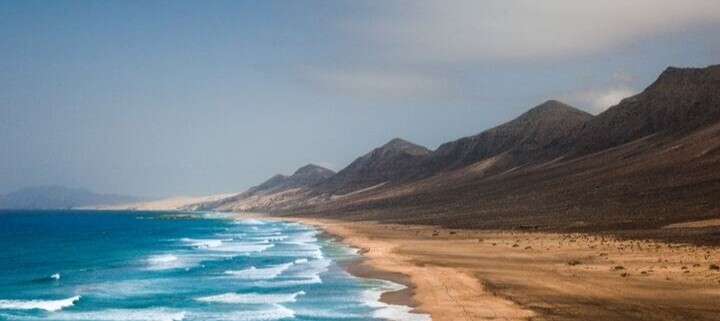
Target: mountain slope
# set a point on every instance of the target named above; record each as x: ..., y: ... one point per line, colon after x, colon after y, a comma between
x: 307, y: 175
x: 526, y: 139
x: 273, y: 189
x: 58, y: 197
x: 680, y: 100
x: 392, y: 161
x: 635, y: 189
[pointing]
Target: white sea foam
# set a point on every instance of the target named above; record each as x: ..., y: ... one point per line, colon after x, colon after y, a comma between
x: 304, y: 238
x: 203, y: 243
x: 268, y: 238
x: 309, y: 268
x: 253, y: 273
x: 272, y: 312
x: 150, y: 314
x: 275, y: 312
x: 229, y: 234
x: 216, y: 215
x: 288, y: 283
x: 390, y: 311
x: 47, y: 305
x: 325, y: 314
x: 127, y: 288
x: 164, y: 262
x: 300, y: 272
x: 251, y: 298
x: 242, y: 247
x: 250, y: 221
x: 164, y: 258
x: 211, y: 249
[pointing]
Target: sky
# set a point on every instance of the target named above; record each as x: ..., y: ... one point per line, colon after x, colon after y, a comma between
x: 164, y: 98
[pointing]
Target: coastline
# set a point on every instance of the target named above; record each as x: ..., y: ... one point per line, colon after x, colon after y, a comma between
x: 508, y: 275
x: 361, y: 267
x: 446, y: 294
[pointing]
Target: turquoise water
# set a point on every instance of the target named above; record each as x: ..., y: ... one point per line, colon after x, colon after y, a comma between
x: 150, y: 266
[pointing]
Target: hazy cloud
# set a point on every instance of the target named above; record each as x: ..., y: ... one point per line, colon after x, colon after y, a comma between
x: 469, y: 30
x: 452, y: 36
x: 598, y: 100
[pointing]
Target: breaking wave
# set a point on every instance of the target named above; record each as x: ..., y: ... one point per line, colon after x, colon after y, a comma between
x: 47, y: 305
x: 150, y: 314
x: 251, y: 298
x: 253, y: 273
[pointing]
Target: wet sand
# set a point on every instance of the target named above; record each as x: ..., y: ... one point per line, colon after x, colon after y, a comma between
x: 497, y: 275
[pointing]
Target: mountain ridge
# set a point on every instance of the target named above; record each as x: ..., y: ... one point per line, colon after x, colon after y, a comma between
x: 383, y: 164
x: 523, y: 136
x: 649, y: 161
x: 679, y: 100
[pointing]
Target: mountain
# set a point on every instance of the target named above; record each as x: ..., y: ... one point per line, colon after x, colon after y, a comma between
x: 526, y: 139
x: 58, y: 197
x: 522, y: 140
x: 274, y: 189
x: 387, y: 163
x: 680, y: 100
x: 307, y: 175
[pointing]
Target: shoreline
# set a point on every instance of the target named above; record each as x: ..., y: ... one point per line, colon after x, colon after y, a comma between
x: 360, y: 267
x: 456, y: 274
x: 445, y: 294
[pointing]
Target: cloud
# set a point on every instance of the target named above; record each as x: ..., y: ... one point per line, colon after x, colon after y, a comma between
x: 598, y: 100
x: 521, y: 30
x: 420, y: 48
x: 384, y: 84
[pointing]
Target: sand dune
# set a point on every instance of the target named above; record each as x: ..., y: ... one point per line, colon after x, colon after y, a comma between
x: 175, y: 203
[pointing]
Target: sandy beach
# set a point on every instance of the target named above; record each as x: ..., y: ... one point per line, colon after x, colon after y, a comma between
x: 494, y: 275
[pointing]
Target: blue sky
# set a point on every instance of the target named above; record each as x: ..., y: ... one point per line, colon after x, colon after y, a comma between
x: 163, y: 98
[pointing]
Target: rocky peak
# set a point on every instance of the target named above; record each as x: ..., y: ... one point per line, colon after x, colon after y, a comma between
x: 401, y: 146
x: 309, y: 175
x: 554, y: 108
x: 312, y: 169
x: 391, y: 162
x: 679, y: 101
x: 528, y: 137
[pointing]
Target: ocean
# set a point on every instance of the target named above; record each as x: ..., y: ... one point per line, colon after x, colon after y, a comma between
x: 171, y: 266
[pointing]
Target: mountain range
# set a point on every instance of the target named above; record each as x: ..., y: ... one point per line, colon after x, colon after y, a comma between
x: 650, y: 161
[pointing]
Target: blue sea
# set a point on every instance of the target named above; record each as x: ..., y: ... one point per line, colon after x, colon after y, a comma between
x: 166, y: 266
